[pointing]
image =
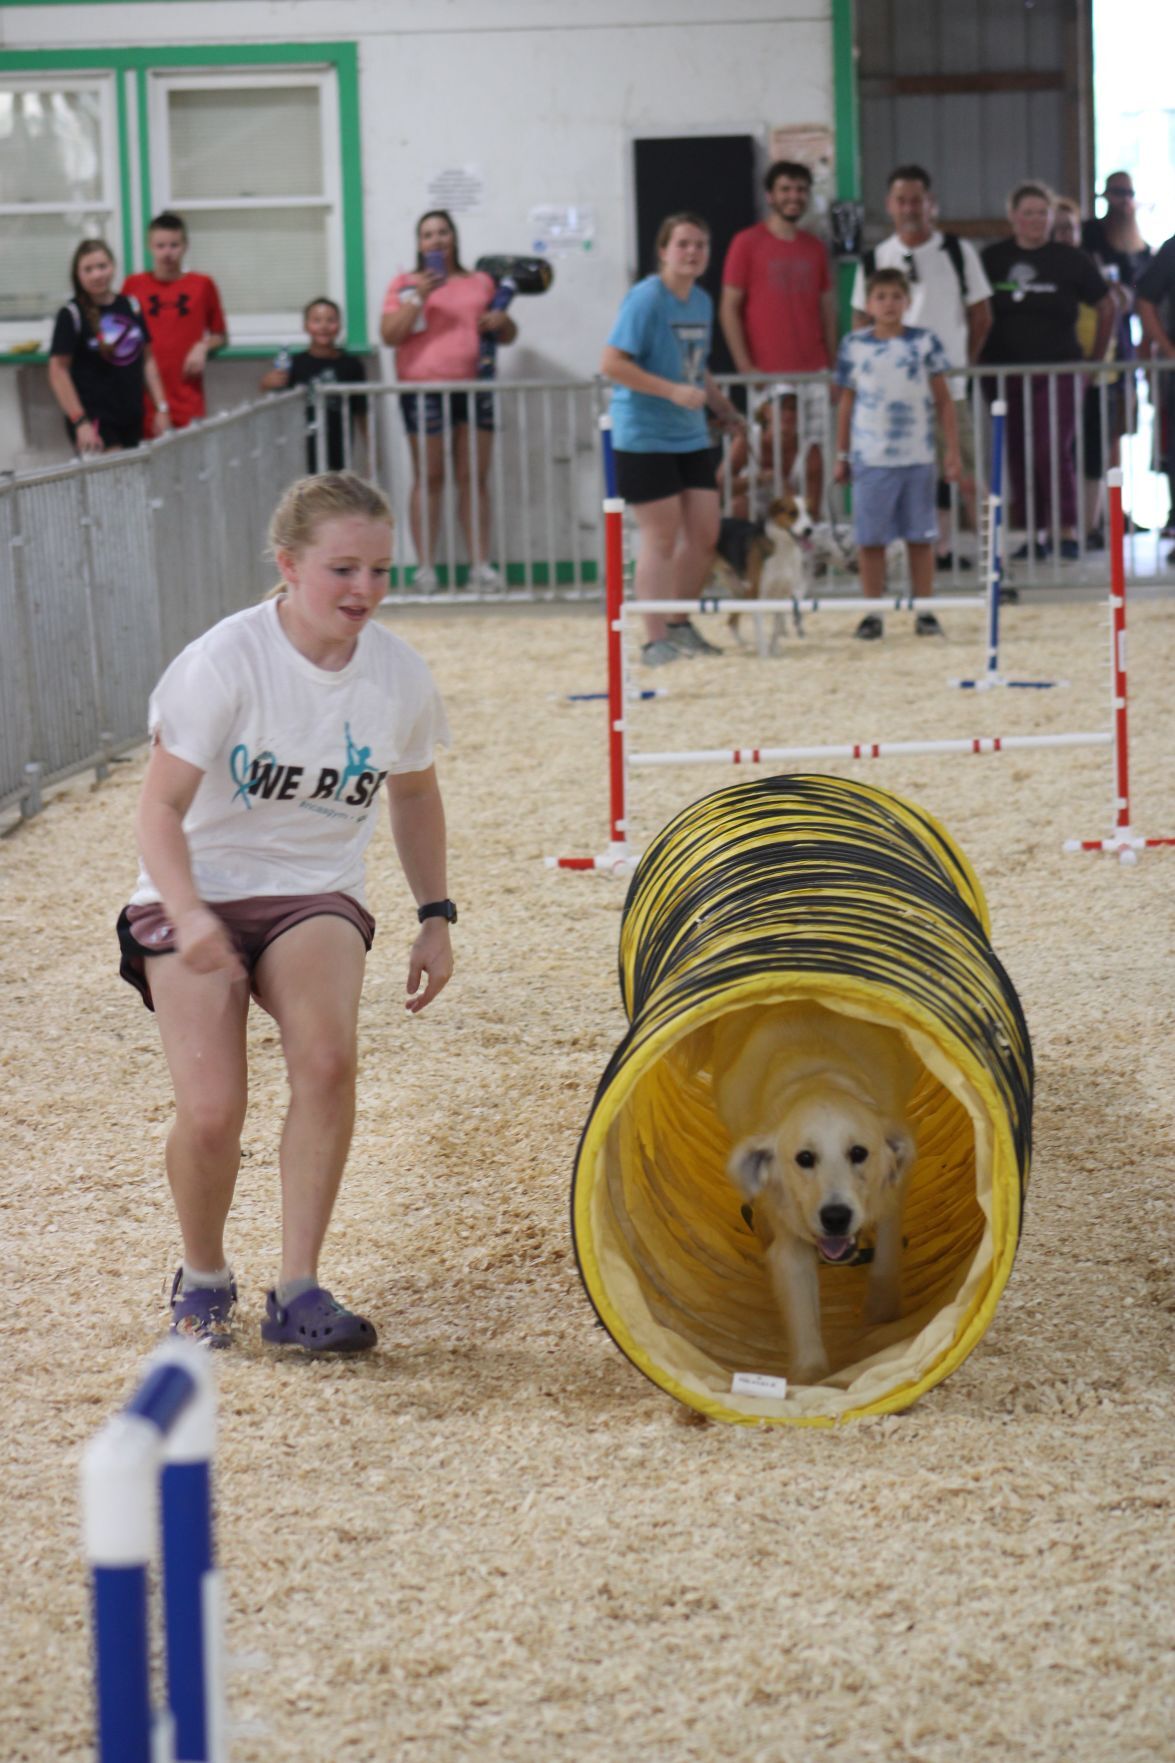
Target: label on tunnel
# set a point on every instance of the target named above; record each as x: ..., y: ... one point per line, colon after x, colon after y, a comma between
x: 753, y: 1383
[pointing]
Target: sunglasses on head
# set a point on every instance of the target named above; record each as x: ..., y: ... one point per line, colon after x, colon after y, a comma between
x: 911, y: 268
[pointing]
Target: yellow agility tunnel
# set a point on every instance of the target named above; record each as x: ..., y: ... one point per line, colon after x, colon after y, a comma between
x: 787, y: 889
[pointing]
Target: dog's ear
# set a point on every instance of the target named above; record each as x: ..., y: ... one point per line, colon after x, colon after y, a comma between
x: 899, y: 1142
x: 751, y: 1162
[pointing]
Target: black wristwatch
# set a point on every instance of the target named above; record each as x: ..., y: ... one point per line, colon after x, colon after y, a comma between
x: 438, y: 909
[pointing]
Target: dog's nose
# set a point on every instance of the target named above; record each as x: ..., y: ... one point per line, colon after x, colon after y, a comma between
x: 836, y: 1220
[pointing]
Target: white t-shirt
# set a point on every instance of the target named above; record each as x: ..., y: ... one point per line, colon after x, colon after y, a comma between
x: 293, y: 755
x: 936, y: 300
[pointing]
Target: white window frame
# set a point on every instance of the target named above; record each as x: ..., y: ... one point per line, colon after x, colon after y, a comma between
x: 281, y: 325
x: 14, y: 331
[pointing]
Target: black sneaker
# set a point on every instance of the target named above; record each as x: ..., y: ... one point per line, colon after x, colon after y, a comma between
x: 1095, y: 540
x: 870, y: 628
x: 947, y: 561
x: 927, y: 625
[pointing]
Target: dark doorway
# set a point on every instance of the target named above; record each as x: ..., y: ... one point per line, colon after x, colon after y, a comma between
x: 714, y: 175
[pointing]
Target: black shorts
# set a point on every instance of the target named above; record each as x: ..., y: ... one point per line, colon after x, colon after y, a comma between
x: 434, y: 415
x: 111, y: 433
x: 650, y: 477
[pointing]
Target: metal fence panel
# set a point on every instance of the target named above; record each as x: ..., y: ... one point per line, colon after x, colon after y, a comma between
x: 109, y: 567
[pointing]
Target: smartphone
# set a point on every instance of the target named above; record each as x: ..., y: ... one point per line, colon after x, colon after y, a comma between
x: 435, y: 261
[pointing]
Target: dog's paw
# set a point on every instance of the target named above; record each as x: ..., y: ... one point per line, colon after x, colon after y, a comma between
x: 810, y: 1368
x: 883, y: 1303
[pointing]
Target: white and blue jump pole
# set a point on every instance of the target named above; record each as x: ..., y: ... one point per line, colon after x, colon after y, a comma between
x: 991, y: 678
x: 156, y: 1457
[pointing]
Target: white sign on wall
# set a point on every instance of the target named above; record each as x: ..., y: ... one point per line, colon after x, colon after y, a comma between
x: 459, y: 188
x: 559, y: 232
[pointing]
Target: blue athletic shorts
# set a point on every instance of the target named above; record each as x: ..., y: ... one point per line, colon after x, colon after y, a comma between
x: 894, y: 502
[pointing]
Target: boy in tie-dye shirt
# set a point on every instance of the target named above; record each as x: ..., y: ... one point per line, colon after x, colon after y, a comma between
x: 893, y: 381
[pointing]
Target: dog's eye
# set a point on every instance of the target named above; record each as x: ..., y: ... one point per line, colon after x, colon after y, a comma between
x: 858, y: 1154
x: 806, y: 1159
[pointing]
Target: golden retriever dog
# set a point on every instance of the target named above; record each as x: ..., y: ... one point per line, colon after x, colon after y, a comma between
x: 763, y: 561
x: 815, y: 1104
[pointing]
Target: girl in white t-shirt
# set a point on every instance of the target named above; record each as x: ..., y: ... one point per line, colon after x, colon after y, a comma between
x: 271, y: 737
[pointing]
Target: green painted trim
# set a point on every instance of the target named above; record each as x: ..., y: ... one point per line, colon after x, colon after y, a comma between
x: 145, y: 204
x: 515, y: 575
x: 351, y: 167
x: 847, y: 115
x: 124, y: 175
x: 176, y: 55
x: 142, y: 60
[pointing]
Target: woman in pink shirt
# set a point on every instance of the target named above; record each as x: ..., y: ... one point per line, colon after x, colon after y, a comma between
x: 434, y: 317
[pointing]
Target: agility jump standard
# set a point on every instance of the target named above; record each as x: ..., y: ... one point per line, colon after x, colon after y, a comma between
x: 619, y: 858
x: 992, y: 559
x: 156, y: 1455
x: 1124, y: 842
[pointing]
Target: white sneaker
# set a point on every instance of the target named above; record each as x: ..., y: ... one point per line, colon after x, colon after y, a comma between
x: 484, y: 575
x: 425, y: 579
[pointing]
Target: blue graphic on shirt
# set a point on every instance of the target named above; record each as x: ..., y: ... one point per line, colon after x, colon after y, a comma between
x: 358, y: 761
x: 246, y: 771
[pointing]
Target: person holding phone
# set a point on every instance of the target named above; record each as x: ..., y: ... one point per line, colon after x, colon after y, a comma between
x: 435, y: 317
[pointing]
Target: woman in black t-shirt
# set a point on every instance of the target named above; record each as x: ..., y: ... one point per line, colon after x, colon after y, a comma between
x: 100, y: 356
x: 1037, y: 287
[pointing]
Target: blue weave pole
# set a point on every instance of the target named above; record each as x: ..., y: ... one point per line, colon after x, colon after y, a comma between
x: 187, y: 1563
x: 155, y: 1456
x: 995, y: 562
x: 121, y: 1682
x: 609, y: 457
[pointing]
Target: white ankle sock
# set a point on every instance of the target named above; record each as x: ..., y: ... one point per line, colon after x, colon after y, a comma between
x: 293, y: 1288
x: 194, y: 1280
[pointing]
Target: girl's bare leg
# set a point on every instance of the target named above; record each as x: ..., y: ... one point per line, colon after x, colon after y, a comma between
x: 434, y: 457
x: 310, y: 980
x: 656, y: 578
x: 201, y: 1020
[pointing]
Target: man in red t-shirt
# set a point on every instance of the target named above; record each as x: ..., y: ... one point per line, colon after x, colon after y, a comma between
x: 778, y: 313
x: 185, y: 315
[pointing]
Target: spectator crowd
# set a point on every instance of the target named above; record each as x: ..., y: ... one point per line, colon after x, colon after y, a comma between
x: 1058, y: 293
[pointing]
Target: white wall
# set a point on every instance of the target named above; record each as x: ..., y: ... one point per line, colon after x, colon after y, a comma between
x: 543, y: 96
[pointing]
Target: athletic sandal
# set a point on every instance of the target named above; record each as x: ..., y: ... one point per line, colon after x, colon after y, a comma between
x: 317, y: 1323
x: 204, y: 1314
x: 870, y: 628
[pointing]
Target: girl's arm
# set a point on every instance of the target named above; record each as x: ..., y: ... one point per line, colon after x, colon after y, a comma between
x: 155, y: 387
x: 726, y: 412
x: 418, y: 828
x: 616, y: 365
x: 168, y: 788
x: 63, y: 389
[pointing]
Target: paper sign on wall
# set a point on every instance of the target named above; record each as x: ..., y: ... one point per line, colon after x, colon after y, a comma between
x: 559, y: 232
x: 459, y: 188
x: 810, y: 144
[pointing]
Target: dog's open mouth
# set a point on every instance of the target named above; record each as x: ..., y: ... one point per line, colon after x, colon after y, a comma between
x: 836, y: 1249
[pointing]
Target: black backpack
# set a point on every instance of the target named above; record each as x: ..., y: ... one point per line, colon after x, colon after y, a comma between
x: 953, y: 249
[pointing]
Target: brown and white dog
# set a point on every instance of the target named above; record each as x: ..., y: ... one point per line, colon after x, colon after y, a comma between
x: 815, y: 1103
x: 763, y: 560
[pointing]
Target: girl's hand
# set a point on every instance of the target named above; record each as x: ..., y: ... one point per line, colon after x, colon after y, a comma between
x: 162, y: 422
x: 205, y: 946
x: 86, y: 437
x: 431, y: 959
x: 688, y: 397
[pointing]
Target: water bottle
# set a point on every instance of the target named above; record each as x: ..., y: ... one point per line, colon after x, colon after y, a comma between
x: 282, y: 361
